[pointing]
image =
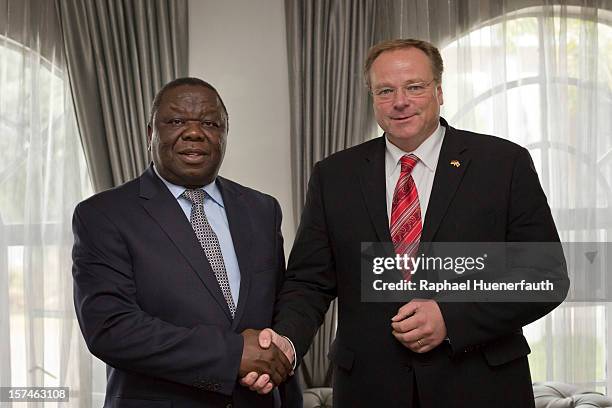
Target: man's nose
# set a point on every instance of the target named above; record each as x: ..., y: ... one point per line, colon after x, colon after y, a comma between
x: 401, y: 99
x: 193, y: 130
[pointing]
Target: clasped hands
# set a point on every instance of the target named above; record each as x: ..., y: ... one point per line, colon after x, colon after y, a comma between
x: 267, y: 360
x: 418, y: 325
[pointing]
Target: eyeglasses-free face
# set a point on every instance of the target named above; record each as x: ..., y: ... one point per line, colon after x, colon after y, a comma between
x: 188, y: 136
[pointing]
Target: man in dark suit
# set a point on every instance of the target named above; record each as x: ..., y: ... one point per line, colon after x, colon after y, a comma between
x: 172, y: 268
x: 423, y: 181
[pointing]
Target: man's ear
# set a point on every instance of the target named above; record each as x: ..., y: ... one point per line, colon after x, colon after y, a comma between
x: 440, y: 94
x: 149, y: 136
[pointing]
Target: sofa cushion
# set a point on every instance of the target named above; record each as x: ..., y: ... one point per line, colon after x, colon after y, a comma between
x: 318, y: 398
x: 560, y: 395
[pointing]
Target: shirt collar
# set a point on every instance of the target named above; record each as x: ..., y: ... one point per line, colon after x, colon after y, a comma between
x: 212, y: 189
x: 428, y: 152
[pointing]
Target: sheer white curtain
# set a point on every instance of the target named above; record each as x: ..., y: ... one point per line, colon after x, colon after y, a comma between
x: 42, y: 177
x: 542, y: 77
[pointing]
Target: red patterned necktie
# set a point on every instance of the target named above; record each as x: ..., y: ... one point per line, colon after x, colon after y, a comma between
x: 406, y: 225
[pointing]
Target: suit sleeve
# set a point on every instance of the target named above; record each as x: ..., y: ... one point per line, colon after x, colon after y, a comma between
x: 279, y: 249
x: 121, y: 334
x: 307, y: 292
x: 529, y: 220
x: 290, y: 391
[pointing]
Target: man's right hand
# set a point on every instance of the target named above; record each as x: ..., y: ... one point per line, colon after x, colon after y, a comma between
x: 270, y: 360
x: 261, y: 382
x: 269, y: 336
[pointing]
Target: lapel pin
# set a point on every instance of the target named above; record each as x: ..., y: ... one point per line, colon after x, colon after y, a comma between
x: 455, y: 163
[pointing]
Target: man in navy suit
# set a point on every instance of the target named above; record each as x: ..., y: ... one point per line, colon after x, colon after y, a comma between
x: 423, y: 181
x: 173, y: 270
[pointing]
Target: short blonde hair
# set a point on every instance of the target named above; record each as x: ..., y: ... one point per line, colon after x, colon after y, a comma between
x: 437, y: 66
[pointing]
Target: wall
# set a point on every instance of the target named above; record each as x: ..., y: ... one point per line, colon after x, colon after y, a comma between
x: 239, y: 46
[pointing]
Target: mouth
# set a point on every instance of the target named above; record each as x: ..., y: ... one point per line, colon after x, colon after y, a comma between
x: 404, y: 118
x: 193, y: 156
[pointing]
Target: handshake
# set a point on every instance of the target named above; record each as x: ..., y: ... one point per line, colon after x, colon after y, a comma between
x: 267, y: 360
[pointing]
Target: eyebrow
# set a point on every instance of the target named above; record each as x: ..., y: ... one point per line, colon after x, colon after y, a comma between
x: 408, y: 82
x: 207, y: 111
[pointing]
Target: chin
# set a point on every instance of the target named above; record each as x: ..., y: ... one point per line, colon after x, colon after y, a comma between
x: 201, y: 179
x: 404, y: 136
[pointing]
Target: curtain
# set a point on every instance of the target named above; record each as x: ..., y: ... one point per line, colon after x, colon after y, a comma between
x: 327, y: 42
x: 119, y: 54
x: 539, y: 73
x: 42, y: 177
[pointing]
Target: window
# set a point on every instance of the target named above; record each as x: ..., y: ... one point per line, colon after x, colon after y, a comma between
x: 42, y: 176
x: 542, y: 77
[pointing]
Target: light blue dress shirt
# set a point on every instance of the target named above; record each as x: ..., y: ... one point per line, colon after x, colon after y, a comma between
x: 217, y: 218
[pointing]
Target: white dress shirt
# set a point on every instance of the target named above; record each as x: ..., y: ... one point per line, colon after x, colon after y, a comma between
x: 422, y: 174
x: 217, y: 218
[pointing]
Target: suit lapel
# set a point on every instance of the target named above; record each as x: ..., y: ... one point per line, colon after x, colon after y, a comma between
x: 373, y: 187
x: 446, y: 181
x: 453, y: 162
x: 164, y: 209
x: 241, y: 228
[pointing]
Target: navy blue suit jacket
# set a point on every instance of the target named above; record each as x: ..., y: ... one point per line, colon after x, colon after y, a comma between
x: 148, y: 302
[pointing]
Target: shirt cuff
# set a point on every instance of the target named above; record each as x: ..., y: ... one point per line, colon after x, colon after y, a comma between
x: 293, y: 349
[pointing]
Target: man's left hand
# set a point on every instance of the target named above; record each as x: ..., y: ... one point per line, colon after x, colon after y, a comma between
x: 419, y: 325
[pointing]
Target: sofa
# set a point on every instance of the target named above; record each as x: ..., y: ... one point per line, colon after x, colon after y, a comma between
x: 547, y: 395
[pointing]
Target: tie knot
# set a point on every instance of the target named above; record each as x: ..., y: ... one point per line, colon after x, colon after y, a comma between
x: 408, y: 161
x: 195, y: 196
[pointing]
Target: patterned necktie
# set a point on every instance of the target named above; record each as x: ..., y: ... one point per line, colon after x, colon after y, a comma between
x: 406, y: 225
x: 210, y: 243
